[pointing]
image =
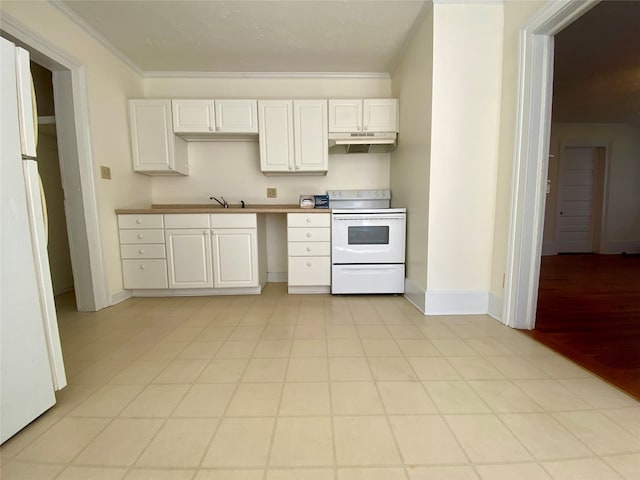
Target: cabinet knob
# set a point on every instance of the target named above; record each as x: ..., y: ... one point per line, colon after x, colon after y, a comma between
x: 211, y: 128
x: 308, y: 235
x: 139, y: 221
x: 297, y: 167
x: 308, y: 219
x: 308, y: 264
x: 140, y: 236
x: 217, y: 129
x: 308, y: 249
x: 366, y: 127
x: 141, y: 251
x: 142, y: 267
x: 359, y: 127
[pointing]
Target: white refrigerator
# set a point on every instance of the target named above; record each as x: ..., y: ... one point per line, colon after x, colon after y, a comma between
x: 31, y: 365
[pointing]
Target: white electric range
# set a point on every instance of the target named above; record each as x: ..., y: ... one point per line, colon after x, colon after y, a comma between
x: 367, y: 242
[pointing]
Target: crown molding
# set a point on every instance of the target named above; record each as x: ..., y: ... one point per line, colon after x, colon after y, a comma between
x: 71, y: 15
x: 267, y: 75
x: 468, y: 2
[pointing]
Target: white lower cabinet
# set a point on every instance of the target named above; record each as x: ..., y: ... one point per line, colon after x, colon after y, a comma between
x: 189, y: 258
x: 235, y: 257
x: 142, y: 251
x: 309, y: 252
x: 235, y: 250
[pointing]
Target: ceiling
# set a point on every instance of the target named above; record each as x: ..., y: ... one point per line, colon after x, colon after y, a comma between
x: 597, y: 66
x: 345, y: 36
x: 597, y: 57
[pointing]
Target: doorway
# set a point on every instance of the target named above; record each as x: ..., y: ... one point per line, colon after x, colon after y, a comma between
x: 76, y: 164
x: 50, y: 174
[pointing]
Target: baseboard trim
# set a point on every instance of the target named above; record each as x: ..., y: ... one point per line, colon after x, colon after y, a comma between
x: 196, y: 292
x: 277, y: 277
x: 615, y: 248
x: 454, y: 302
x: 415, y: 295
x: 309, y: 290
x: 496, y: 304
x: 120, y: 296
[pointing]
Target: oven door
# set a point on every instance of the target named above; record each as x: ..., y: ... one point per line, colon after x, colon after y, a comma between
x: 359, y: 238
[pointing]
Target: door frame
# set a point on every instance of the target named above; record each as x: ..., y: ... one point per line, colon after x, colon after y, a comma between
x: 76, y: 163
x: 531, y: 162
x: 600, y: 191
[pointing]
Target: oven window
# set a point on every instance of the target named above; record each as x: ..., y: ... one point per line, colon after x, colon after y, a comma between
x: 369, y: 235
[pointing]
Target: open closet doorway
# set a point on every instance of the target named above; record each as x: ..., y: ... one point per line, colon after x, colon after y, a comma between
x: 76, y: 166
x: 50, y: 174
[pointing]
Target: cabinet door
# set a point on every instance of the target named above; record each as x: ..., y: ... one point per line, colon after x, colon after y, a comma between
x: 152, y: 139
x: 193, y: 116
x: 311, y: 135
x: 235, y: 257
x: 380, y: 115
x: 345, y: 116
x: 189, y: 258
x: 236, y: 116
x: 275, y: 119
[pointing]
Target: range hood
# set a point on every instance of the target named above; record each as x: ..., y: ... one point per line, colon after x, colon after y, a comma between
x: 362, y: 142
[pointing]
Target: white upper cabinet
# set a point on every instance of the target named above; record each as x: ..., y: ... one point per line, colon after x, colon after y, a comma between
x: 236, y: 116
x: 368, y: 115
x: 154, y: 147
x: 293, y: 136
x: 193, y: 116
x: 310, y: 135
x: 201, y: 116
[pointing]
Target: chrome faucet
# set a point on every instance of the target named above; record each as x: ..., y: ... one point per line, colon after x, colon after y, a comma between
x: 223, y: 202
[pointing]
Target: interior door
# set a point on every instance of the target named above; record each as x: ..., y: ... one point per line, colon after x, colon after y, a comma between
x: 577, y: 199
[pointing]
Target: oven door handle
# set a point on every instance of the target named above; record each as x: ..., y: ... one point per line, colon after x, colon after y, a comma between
x: 366, y: 268
x: 336, y: 217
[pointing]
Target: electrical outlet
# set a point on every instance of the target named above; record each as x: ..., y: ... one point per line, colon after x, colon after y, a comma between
x: 105, y: 172
x: 272, y: 192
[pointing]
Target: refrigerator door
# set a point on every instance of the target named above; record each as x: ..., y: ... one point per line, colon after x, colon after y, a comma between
x: 26, y: 387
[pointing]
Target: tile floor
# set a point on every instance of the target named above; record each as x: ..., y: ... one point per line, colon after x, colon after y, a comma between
x: 284, y: 387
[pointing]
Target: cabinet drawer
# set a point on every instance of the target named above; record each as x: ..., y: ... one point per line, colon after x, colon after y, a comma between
x: 309, y: 249
x: 140, y: 221
x: 309, y: 235
x: 233, y: 220
x: 141, y: 236
x: 309, y: 271
x: 142, y: 251
x: 186, y: 220
x: 144, y: 273
x: 308, y: 220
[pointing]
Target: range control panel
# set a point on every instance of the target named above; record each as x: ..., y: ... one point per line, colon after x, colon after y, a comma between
x: 359, y: 194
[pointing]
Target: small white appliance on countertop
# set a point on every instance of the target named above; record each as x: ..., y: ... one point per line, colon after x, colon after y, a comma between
x: 367, y: 242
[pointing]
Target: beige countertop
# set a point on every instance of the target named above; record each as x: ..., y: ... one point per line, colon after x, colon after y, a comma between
x: 208, y: 208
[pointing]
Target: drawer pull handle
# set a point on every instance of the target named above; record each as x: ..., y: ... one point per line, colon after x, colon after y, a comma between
x: 141, y: 251
x: 140, y: 236
x: 142, y: 267
x: 308, y: 235
x: 308, y: 264
x: 139, y: 221
x: 308, y: 249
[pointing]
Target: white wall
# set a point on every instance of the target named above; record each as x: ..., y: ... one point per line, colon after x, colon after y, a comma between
x: 232, y: 169
x: 412, y: 84
x: 622, y: 213
x: 109, y: 84
x: 467, y: 66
